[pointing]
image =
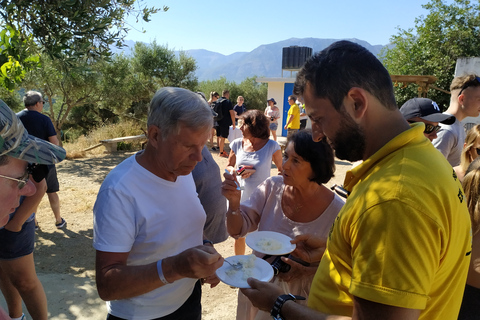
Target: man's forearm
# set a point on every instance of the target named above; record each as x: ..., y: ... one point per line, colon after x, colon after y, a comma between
x: 27, y: 207
x: 293, y: 310
x: 232, y: 115
x: 123, y: 282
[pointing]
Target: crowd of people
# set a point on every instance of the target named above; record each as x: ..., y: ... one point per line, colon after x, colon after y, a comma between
x: 404, y: 243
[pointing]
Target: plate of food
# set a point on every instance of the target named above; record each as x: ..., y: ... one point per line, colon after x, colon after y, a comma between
x: 238, y: 269
x: 269, y: 242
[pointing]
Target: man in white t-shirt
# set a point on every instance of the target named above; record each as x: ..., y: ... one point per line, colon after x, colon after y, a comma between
x: 464, y: 102
x: 148, y: 220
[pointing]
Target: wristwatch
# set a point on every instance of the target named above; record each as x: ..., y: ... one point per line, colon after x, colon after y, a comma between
x: 205, y: 241
x: 275, y: 313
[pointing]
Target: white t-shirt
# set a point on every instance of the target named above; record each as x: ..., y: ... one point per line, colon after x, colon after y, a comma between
x: 272, y: 113
x: 152, y: 218
x: 261, y: 160
x: 450, y: 140
x: 263, y: 212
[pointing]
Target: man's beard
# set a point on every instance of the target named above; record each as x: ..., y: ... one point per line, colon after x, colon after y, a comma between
x: 349, y: 141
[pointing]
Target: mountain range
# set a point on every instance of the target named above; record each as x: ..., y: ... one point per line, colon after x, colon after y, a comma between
x: 263, y: 61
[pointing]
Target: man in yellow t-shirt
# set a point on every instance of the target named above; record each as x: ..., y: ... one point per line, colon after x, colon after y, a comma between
x: 400, y: 247
x: 293, y: 117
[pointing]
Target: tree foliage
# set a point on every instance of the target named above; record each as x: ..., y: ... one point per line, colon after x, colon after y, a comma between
x: 254, y: 93
x: 65, y: 30
x: 159, y: 67
x: 64, y: 87
x: 91, y: 92
x: 15, y: 48
x: 448, y: 32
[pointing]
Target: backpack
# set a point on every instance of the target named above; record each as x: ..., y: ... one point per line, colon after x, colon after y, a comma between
x: 218, y: 109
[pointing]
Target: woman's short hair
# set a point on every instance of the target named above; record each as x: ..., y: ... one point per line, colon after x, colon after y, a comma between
x: 257, y: 123
x: 172, y: 107
x: 318, y: 154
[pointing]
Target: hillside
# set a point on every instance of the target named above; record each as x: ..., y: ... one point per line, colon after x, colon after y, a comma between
x: 264, y: 61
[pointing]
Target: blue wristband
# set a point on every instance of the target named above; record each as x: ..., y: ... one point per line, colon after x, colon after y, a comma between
x: 160, y: 272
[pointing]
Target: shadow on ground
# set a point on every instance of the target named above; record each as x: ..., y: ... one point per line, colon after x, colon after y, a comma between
x: 76, y: 296
x: 70, y: 297
x: 64, y: 251
x: 97, y: 167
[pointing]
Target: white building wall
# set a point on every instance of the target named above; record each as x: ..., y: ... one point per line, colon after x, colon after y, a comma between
x: 275, y: 91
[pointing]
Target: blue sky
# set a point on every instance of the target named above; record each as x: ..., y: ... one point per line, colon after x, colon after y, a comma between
x: 242, y: 25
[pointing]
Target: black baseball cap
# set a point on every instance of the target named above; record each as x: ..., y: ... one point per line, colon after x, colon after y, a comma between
x: 425, y: 109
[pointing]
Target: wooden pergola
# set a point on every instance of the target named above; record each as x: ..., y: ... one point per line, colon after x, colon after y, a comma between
x: 423, y: 82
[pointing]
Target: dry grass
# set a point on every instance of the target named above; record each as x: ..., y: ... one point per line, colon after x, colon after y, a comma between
x: 76, y: 150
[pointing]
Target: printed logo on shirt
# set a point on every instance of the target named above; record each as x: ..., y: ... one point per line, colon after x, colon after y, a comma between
x: 460, y: 195
x: 331, y: 228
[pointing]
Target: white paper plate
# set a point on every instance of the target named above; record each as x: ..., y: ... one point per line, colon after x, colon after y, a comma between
x: 269, y: 242
x: 261, y: 270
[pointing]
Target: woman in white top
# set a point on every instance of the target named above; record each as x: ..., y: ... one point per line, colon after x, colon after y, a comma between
x: 256, y: 150
x: 293, y: 204
x: 273, y: 114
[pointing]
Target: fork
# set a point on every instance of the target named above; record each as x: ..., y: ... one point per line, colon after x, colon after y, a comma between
x: 235, y: 266
x: 238, y: 186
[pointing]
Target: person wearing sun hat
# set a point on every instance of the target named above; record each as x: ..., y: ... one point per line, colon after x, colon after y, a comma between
x: 18, y: 149
x: 427, y: 111
x: 273, y: 114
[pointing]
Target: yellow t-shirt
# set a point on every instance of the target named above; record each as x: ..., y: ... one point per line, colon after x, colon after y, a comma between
x: 295, y: 110
x: 403, y: 237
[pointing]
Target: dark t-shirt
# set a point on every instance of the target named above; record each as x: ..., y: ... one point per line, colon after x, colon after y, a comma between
x: 37, y: 124
x: 226, y: 121
x: 239, y: 109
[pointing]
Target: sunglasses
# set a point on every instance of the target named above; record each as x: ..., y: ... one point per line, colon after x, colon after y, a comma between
x: 429, y: 128
x: 22, y: 182
x: 470, y: 83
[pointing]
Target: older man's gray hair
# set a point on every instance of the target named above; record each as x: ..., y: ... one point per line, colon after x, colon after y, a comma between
x: 31, y: 98
x: 172, y: 106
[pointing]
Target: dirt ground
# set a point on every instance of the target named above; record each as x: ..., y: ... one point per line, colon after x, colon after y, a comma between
x: 65, y: 258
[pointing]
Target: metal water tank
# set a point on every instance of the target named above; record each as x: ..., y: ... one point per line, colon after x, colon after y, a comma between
x: 294, y: 57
